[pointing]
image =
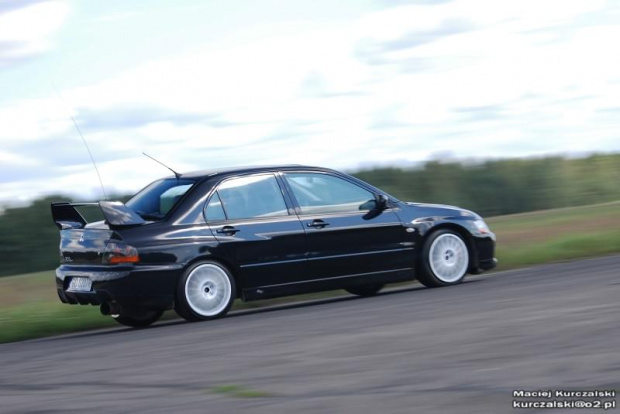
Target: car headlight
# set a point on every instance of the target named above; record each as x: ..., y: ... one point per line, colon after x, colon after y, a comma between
x: 482, y: 227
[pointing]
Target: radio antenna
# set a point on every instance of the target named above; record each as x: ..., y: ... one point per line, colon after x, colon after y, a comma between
x: 176, y: 174
x: 90, y: 154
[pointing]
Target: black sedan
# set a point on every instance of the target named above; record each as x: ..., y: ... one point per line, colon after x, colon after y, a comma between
x: 195, y: 242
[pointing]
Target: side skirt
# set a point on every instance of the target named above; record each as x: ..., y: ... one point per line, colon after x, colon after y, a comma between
x: 321, y: 285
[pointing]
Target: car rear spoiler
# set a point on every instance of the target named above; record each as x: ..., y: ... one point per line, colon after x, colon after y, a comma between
x: 66, y: 216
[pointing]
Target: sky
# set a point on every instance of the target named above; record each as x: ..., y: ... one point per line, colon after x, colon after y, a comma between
x: 343, y: 84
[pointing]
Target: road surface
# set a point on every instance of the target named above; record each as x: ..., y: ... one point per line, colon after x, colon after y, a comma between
x: 461, y: 349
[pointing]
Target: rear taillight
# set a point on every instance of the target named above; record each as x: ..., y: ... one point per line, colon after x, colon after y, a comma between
x: 116, y: 252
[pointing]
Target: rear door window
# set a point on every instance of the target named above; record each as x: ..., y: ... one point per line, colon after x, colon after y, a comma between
x: 254, y: 196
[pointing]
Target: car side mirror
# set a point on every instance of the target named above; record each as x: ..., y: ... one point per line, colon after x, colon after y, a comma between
x: 381, y: 201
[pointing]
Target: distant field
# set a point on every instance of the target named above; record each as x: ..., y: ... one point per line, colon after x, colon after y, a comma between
x: 554, y: 235
x: 29, y: 307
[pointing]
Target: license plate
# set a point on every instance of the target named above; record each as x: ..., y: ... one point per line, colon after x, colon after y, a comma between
x: 80, y: 284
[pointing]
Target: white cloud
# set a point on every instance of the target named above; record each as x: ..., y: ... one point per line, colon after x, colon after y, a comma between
x: 26, y: 32
x: 474, y: 77
x: 11, y: 159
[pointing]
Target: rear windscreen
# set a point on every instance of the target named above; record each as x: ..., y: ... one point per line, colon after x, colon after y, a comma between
x: 157, y: 199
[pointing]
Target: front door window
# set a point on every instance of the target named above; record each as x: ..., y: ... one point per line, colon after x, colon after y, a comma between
x: 322, y: 193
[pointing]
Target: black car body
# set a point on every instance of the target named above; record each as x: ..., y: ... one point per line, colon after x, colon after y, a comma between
x: 260, y: 232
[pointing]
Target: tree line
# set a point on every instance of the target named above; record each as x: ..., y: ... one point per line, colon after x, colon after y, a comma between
x: 508, y: 186
x: 29, y: 240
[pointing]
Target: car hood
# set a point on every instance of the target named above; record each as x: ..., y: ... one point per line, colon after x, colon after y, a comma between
x: 442, y: 209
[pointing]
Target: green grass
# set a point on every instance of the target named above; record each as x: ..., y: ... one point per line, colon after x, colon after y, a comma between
x: 567, y: 247
x: 557, y: 235
x: 239, y: 391
x: 582, y: 217
x: 35, y: 320
x: 29, y: 306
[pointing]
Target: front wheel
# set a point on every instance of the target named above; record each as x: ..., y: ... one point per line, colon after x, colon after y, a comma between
x: 206, y: 291
x: 365, y: 290
x: 137, y: 318
x: 444, y: 260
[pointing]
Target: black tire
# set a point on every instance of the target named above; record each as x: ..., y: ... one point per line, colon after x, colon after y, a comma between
x: 451, y: 258
x: 209, y: 279
x: 365, y: 290
x: 138, y: 318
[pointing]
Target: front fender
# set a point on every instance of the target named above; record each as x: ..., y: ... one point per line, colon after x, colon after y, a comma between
x: 423, y: 220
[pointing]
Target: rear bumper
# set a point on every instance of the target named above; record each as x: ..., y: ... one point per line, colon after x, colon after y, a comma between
x: 144, y: 286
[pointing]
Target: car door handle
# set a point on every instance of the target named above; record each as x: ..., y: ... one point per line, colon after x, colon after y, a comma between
x: 227, y: 230
x: 318, y: 224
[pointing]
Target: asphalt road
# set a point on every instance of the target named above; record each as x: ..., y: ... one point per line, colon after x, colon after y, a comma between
x: 462, y: 349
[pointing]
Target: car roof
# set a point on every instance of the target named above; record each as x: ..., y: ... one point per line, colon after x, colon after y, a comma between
x: 248, y: 169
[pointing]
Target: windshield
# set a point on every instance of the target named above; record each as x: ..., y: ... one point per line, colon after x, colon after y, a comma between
x: 158, y: 198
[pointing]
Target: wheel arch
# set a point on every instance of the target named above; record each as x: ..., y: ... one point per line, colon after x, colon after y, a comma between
x: 461, y: 231
x: 225, y: 263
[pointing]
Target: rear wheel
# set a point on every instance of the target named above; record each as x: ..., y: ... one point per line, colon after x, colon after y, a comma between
x: 444, y: 260
x: 365, y: 290
x: 137, y: 317
x: 206, y: 291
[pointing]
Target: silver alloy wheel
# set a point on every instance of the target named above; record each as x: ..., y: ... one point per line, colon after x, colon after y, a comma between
x: 208, y: 289
x: 448, y: 258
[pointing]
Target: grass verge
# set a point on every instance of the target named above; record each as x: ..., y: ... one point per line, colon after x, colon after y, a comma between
x: 35, y: 320
x: 239, y: 391
x: 566, y: 247
x: 29, y: 307
x: 556, y: 235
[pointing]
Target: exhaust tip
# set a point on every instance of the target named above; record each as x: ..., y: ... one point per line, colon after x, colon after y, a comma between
x: 105, y: 308
x: 109, y: 308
